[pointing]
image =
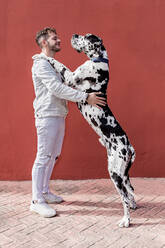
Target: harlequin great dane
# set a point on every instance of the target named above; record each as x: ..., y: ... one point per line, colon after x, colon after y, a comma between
x: 93, y: 76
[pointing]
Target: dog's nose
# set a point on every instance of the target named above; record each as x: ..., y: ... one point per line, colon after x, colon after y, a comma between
x: 75, y: 35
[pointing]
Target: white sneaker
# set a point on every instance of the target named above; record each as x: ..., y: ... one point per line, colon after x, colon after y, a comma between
x: 42, y: 209
x: 51, y: 198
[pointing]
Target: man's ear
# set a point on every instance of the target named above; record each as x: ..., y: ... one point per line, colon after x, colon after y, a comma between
x: 43, y: 43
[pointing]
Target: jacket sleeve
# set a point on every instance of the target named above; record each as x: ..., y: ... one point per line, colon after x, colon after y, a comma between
x: 48, y: 76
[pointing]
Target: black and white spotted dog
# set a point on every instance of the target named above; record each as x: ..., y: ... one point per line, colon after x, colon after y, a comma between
x: 93, y: 76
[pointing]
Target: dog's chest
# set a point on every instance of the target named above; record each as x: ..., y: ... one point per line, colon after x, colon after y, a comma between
x: 92, y: 77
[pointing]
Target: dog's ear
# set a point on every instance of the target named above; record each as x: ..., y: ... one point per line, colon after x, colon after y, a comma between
x: 102, y: 47
x: 93, y: 38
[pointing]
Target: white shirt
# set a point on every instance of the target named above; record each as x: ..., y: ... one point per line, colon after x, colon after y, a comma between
x: 51, y: 94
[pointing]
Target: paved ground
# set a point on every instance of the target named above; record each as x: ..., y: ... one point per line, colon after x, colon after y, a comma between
x: 87, y: 218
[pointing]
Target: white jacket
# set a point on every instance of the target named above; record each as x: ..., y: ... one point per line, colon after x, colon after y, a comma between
x: 51, y: 94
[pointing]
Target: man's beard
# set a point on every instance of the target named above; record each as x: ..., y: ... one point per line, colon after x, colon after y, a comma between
x: 53, y: 48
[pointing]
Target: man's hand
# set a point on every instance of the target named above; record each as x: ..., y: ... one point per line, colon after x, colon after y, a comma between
x: 93, y: 99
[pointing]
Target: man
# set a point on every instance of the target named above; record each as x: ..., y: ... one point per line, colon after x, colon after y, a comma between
x: 50, y: 107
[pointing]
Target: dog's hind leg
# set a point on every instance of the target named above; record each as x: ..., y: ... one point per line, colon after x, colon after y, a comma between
x: 130, y: 191
x: 116, y: 170
x: 127, y: 179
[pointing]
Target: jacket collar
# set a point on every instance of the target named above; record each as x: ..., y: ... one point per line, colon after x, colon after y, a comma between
x: 42, y: 56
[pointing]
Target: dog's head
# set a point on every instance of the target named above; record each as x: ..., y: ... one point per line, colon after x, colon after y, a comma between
x: 90, y: 44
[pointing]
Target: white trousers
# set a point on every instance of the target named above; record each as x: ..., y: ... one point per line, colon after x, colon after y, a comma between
x: 50, y: 135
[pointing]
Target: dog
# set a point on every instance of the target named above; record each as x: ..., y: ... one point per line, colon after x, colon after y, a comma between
x: 93, y: 76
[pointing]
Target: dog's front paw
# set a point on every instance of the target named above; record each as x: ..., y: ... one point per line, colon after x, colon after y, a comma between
x: 125, y: 221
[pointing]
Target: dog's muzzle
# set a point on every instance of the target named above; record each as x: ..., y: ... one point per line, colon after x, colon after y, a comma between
x: 76, y: 42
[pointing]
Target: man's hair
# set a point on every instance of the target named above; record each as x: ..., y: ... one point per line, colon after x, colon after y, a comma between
x: 44, y: 34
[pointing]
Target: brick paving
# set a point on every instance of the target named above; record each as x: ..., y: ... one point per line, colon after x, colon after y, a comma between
x: 87, y: 218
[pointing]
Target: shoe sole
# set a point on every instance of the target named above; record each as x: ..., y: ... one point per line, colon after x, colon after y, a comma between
x: 54, y: 202
x: 45, y: 216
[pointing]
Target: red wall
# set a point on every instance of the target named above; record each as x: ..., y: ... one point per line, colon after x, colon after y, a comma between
x: 133, y: 33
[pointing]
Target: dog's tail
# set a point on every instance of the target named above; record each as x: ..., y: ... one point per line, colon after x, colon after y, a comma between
x: 132, y: 153
x: 131, y: 159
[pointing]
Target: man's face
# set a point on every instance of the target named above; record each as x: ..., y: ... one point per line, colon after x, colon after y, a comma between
x: 53, y: 42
